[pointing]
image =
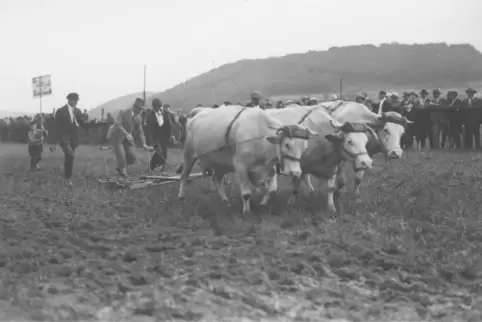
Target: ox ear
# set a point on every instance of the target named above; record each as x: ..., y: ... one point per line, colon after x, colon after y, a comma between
x: 334, y: 138
x: 275, y: 139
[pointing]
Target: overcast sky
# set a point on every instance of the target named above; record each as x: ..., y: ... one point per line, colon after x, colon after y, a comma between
x: 98, y: 48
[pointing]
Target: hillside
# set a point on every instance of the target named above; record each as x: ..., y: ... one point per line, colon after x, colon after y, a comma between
x: 366, y: 67
x: 113, y: 106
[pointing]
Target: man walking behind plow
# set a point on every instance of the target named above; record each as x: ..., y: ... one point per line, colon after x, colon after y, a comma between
x: 120, y: 136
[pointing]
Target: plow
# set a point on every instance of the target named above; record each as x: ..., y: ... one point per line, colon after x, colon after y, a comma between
x: 139, y: 181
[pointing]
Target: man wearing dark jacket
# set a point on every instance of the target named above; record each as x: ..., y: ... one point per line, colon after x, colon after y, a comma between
x: 471, y: 118
x: 68, y: 118
x: 159, y: 130
x: 455, y: 120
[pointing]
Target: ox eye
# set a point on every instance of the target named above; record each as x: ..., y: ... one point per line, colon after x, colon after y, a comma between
x: 350, y: 142
x: 287, y: 145
x: 386, y: 131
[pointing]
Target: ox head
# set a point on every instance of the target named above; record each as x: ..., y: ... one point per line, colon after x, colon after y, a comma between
x: 292, y: 141
x: 352, y: 139
x: 390, y: 128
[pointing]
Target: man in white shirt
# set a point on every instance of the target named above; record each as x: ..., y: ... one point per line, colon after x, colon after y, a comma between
x: 159, y: 126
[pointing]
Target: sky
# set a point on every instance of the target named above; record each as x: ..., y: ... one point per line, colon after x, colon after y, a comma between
x: 98, y: 48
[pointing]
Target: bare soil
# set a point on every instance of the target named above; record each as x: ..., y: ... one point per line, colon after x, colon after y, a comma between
x: 409, y: 251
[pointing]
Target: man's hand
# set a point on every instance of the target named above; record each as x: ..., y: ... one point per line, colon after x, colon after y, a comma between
x: 129, y: 138
x: 148, y: 148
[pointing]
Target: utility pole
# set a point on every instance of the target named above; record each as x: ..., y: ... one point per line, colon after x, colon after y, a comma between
x: 341, y: 88
x: 144, y: 83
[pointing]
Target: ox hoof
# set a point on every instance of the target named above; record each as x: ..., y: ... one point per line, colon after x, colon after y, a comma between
x: 331, y: 209
x: 182, y: 198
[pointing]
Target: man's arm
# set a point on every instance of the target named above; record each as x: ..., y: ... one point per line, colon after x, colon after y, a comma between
x: 118, y: 124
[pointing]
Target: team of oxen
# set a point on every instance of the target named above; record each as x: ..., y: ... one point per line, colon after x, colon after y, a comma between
x: 319, y: 140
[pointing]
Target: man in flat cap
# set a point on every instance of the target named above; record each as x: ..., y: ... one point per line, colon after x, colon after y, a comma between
x: 159, y: 131
x: 361, y: 97
x: 120, y: 136
x: 256, y: 97
x: 471, y: 118
x: 304, y: 100
x: 67, y: 120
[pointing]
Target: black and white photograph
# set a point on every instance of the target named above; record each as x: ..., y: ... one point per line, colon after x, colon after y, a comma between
x: 241, y: 160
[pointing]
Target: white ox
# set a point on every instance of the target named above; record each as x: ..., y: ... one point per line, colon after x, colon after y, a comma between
x: 389, y: 128
x: 246, y: 141
x: 324, y: 154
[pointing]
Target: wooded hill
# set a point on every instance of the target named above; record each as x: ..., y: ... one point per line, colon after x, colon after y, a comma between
x: 366, y: 67
x: 393, y: 67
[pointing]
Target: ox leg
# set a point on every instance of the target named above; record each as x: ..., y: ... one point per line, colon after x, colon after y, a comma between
x: 244, y: 185
x: 306, y: 179
x: 331, y: 183
x: 218, y: 181
x: 340, y: 183
x: 358, y: 180
x: 271, y: 187
x: 296, y: 184
x: 189, y: 161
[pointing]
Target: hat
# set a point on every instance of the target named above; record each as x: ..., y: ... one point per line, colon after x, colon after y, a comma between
x: 394, y: 94
x: 313, y: 99
x: 436, y: 91
x: 227, y: 103
x: 157, y: 101
x: 167, y: 105
x: 305, y: 97
x: 423, y: 92
x: 256, y: 95
x: 406, y: 94
x: 382, y: 92
x: 139, y: 102
x: 414, y: 94
x: 361, y: 94
x: 289, y: 102
x: 470, y: 90
x: 452, y: 93
x: 73, y: 96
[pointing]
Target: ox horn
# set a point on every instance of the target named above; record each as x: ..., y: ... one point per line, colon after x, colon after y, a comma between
x: 336, y: 124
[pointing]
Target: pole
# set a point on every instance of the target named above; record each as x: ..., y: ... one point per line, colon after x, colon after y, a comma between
x: 341, y: 88
x: 144, y: 83
x: 40, y: 98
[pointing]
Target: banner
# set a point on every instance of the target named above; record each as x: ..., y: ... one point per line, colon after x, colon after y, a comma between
x: 42, y: 86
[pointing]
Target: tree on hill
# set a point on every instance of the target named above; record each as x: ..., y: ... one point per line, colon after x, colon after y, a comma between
x: 364, y: 67
x: 113, y: 106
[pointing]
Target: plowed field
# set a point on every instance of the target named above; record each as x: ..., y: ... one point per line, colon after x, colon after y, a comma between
x: 409, y: 251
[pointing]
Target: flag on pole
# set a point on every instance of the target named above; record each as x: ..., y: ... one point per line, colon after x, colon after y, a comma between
x: 42, y: 85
